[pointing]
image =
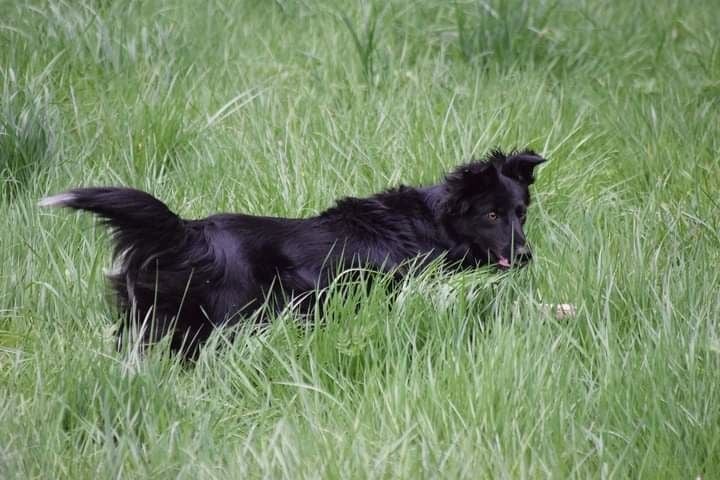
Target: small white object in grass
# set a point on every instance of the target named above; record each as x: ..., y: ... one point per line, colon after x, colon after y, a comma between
x: 560, y: 310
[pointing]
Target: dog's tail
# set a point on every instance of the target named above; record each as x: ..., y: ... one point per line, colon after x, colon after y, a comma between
x: 134, y: 216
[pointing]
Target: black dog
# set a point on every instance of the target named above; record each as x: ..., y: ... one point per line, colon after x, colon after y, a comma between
x: 190, y: 276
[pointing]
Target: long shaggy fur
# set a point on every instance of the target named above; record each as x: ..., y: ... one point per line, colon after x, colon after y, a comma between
x: 190, y: 276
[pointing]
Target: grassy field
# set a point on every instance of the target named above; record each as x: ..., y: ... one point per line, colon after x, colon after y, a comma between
x: 280, y: 108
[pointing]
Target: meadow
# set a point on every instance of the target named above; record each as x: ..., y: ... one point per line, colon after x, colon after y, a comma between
x: 281, y: 107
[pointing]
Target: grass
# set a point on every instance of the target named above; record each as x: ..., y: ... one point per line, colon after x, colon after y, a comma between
x: 280, y: 107
x: 28, y: 139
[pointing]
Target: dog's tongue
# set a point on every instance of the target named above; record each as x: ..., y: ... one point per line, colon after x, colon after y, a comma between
x: 503, y: 262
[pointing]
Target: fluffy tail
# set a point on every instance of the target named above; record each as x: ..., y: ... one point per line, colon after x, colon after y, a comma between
x: 134, y: 216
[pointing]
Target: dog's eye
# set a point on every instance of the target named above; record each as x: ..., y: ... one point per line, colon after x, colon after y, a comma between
x: 492, y: 216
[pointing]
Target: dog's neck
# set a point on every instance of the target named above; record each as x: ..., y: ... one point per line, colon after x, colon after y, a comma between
x: 434, y: 195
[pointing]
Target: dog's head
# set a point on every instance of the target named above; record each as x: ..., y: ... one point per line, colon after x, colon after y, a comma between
x: 486, y: 204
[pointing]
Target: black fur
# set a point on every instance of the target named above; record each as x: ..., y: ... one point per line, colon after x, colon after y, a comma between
x: 190, y: 276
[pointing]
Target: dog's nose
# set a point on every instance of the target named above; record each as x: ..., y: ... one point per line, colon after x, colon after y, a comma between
x: 523, y: 255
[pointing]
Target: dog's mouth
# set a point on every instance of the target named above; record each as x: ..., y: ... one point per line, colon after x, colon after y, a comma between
x: 500, y: 261
x: 503, y: 262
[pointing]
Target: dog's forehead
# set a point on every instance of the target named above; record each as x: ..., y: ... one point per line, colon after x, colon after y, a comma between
x: 509, y: 192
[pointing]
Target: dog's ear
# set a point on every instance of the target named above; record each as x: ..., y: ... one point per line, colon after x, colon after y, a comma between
x: 465, y: 182
x: 520, y: 166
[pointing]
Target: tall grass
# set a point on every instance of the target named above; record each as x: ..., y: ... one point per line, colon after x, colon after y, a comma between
x: 28, y: 132
x: 278, y: 108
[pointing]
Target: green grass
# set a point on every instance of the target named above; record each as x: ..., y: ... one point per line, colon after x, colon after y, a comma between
x: 279, y: 108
